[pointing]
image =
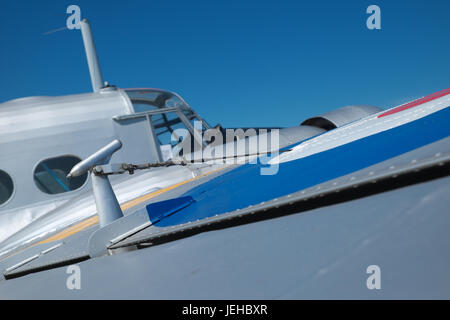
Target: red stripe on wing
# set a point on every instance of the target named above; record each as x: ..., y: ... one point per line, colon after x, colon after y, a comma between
x: 417, y: 102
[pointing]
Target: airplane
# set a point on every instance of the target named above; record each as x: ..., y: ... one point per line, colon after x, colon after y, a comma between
x: 149, y: 201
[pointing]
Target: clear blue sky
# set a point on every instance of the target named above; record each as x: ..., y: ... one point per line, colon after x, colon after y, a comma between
x: 240, y: 63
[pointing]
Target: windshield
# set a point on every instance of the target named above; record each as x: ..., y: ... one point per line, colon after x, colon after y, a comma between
x: 150, y: 99
x: 167, y: 112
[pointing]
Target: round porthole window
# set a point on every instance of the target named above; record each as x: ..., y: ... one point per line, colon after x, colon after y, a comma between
x: 6, y: 187
x: 50, y: 175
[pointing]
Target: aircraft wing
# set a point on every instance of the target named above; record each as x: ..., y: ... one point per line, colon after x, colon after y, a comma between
x: 371, y: 193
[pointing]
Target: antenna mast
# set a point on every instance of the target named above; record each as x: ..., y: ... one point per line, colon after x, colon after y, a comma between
x: 91, y: 55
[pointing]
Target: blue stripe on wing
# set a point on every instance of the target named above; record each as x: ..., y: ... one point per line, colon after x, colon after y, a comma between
x: 245, y: 185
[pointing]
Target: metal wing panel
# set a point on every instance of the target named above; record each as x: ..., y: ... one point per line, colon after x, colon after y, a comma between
x: 322, y: 253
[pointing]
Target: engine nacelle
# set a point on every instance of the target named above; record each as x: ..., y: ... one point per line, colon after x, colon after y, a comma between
x: 342, y: 116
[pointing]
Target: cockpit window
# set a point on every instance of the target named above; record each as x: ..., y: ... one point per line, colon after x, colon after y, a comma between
x: 165, y: 124
x: 50, y: 175
x: 6, y: 187
x: 149, y: 100
x: 167, y: 113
